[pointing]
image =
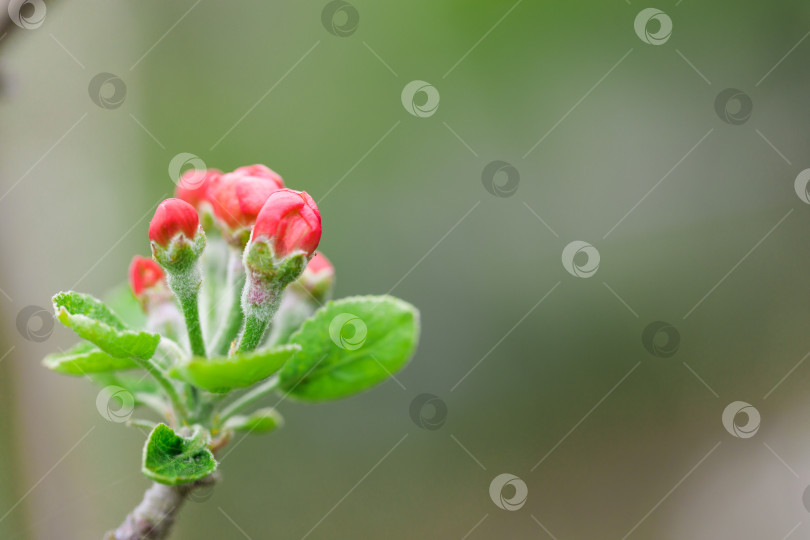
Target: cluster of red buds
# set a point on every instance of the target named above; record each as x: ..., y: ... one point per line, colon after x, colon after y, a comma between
x: 237, y: 305
x: 271, y: 234
x: 235, y: 297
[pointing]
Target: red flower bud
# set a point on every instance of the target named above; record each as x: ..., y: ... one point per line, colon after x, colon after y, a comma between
x: 319, y: 264
x: 173, y: 217
x: 193, y: 185
x: 237, y: 197
x: 318, y: 278
x: 261, y: 171
x: 144, y: 274
x: 290, y: 221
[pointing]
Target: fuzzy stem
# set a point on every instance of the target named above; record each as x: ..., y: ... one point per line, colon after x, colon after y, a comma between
x: 179, y: 407
x: 188, y: 302
x: 235, y: 317
x: 248, y: 398
x: 153, y: 518
x: 141, y: 424
x: 185, y: 284
x: 255, y: 328
x: 158, y: 405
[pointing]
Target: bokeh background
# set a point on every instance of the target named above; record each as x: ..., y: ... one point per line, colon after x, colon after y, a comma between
x: 544, y: 375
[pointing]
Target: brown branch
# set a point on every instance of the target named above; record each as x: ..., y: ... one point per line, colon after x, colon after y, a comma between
x: 153, y: 518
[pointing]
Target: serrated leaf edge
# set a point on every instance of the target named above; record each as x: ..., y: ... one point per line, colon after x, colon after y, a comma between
x: 63, y: 315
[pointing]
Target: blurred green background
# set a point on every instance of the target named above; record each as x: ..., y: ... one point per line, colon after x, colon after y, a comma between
x: 611, y: 441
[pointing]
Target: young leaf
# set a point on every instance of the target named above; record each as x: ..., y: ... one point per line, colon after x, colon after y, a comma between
x: 350, y: 345
x: 260, y: 421
x: 84, y: 358
x: 171, y: 459
x: 221, y: 374
x: 95, y: 322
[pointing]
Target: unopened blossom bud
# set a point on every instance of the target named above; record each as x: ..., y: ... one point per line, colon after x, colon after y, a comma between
x: 172, y: 218
x: 237, y: 198
x: 286, y: 233
x: 318, y: 278
x: 290, y: 221
x: 193, y: 186
x: 319, y: 265
x: 261, y: 171
x: 177, y: 238
x: 177, y: 243
x: 148, y: 283
x: 144, y: 274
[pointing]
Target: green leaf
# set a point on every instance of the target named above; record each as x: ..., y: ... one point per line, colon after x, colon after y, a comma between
x: 350, y: 345
x: 221, y: 374
x: 95, y: 322
x: 84, y: 358
x: 171, y: 459
x: 260, y: 421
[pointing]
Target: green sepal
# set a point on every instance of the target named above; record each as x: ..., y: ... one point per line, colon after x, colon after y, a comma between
x: 171, y: 459
x: 95, y: 322
x: 260, y: 421
x: 222, y: 374
x: 84, y: 358
x: 292, y: 266
x: 332, y: 364
x: 262, y: 264
x: 182, y: 252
